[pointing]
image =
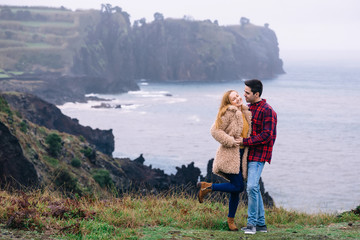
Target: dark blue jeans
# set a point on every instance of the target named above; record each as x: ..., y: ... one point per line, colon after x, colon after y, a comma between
x: 234, y: 187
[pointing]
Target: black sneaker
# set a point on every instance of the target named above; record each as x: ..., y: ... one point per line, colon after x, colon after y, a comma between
x: 261, y: 229
x: 249, y: 229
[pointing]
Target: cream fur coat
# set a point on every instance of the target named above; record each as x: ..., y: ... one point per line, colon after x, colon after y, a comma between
x: 227, y: 159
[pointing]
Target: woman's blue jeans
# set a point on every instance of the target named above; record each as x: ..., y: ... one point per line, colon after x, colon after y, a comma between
x: 256, y: 213
x: 234, y: 187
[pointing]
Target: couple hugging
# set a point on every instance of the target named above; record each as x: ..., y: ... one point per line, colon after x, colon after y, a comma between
x: 246, y: 135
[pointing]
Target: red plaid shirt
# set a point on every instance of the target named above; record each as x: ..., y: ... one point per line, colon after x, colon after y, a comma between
x: 263, y: 134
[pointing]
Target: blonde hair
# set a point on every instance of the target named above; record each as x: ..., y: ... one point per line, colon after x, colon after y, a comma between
x: 225, y: 103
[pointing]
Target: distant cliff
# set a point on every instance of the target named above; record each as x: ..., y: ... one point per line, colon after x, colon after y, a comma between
x: 178, y: 49
x: 69, y: 54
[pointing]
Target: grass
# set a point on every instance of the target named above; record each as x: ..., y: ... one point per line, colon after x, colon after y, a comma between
x: 38, y: 45
x: 48, y: 35
x: 2, y: 75
x: 40, y: 23
x: 39, y: 10
x: 41, y: 214
x: 16, y: 73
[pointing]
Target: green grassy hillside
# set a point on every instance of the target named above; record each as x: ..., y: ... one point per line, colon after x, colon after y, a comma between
x: 47, y: 215
x: 62, y: 161
x: 40, y: 38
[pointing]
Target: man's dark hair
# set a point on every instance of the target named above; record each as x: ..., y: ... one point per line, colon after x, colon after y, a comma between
x: 255, y: 86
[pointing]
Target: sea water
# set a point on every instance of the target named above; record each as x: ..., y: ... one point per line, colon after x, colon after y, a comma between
x: 315, y: 164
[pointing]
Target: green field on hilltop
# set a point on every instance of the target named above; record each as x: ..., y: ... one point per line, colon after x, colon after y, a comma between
x: 48, y: 31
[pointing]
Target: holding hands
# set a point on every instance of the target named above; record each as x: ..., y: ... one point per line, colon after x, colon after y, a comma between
x: 238, y: 141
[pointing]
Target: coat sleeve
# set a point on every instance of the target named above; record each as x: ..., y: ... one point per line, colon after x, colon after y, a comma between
x: 221, y: 136
x: 268, y: 127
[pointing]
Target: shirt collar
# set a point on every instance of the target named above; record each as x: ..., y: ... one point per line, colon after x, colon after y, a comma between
x: 259, y: 102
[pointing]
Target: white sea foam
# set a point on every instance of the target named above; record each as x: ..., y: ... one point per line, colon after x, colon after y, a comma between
x: 176, y: 100
x: 194, y: 118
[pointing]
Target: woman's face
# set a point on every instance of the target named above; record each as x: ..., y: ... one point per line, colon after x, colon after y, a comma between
x: 235, y: 99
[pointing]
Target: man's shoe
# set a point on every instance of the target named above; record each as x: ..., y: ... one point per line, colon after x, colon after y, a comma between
x: 261, y: 229
x: 249, y: 229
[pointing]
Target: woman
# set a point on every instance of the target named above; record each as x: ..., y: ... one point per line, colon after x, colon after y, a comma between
x: 233, y: 122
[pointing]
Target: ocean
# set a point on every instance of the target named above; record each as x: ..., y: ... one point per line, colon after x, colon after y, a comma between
x: 315, y: 164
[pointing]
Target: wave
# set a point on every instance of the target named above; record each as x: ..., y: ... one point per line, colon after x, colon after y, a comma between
x: 150, y: 93
x: 194, y: 118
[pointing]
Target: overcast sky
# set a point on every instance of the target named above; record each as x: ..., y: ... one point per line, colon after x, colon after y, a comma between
x: 298, y: 24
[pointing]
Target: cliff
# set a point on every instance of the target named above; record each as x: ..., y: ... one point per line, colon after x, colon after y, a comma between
x: 63, y: 55
x: 178, y: 49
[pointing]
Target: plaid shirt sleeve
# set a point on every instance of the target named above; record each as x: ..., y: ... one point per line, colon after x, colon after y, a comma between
x: 263, y: 133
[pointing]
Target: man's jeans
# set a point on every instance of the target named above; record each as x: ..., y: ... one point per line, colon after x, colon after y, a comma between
x: 256, y: 213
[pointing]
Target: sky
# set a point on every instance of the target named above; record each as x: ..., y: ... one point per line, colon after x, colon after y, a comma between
x: 300, y: 25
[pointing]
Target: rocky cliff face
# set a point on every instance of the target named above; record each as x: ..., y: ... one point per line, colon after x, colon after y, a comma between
x: 203, y: 51
x: 48, y: 115
x: 15, y: 169
x: 179, y: 50
x: 175, y: 50
x: 107, y: 53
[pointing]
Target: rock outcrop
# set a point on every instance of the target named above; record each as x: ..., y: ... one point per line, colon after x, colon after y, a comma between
x: 48, y: 115
x: 15, y: 169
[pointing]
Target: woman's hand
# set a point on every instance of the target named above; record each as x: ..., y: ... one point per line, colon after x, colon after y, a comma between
x: 238, y: 141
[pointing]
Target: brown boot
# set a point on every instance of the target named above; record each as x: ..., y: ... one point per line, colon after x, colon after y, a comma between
x: 231, y: 224
x: 205, y: 188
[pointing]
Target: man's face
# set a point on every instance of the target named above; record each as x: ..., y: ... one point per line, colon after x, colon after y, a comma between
x: 249, y: 95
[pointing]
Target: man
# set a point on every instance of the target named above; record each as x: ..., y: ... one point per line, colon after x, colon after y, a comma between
x: 260, y: 144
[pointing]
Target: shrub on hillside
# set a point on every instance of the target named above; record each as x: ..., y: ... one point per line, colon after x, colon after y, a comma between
x: 65, y: 180
x: 89, y: 153
x: 54, y: 142
x: 102, y: 177
x: 75, y: 162
x: 4, y: 106
x: 23, y: 126
x: 52, y: 161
